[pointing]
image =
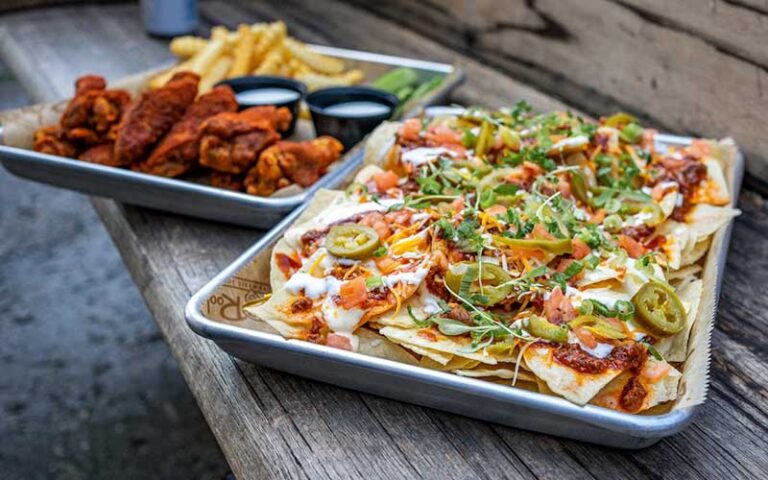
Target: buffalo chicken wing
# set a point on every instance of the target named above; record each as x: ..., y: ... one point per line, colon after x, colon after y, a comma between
x: 292, y: 162
x: 150, y: 118
x: 231, y: 142
x: 177, y: 153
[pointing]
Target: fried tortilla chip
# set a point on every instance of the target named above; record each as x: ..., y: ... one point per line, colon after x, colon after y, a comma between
x: 658, y: 379
x: 565, y: 381
x: 380, y: 142
x: 675, y: 348
x: 430, y: 339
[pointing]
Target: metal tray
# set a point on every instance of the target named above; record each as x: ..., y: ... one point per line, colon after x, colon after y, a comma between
x: 197, y: 200
x: 501, y: 404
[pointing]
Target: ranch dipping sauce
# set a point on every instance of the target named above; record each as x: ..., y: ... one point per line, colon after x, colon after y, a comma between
x: 357, y: 109
x: 267, y: 96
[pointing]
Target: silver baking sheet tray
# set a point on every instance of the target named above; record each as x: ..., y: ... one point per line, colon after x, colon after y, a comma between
x: 215, y: 315
x: 198, y: 200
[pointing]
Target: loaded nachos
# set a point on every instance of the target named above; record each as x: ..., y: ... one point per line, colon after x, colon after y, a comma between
x: 543, y: 251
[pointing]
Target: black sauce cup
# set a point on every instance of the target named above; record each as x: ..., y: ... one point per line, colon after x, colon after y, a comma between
x: 244, y: 84
x: 348, y: 129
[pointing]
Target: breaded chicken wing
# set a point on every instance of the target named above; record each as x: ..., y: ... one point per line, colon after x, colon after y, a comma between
x: 51, y: 140
x: 231, y: 142
x: 177, y: 153
x: 103, y: 154
x: 150, y: 118
x: 292, y: 162
x: 94, y: 112
x: 227, y: 181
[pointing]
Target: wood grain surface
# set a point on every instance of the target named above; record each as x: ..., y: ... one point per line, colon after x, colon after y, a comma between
x: 274, y: 425
x: 691, y: 66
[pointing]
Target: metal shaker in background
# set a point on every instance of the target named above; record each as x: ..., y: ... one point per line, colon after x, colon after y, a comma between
x: 168, y: 18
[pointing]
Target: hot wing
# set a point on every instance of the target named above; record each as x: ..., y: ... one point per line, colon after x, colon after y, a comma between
x: 177, y: 153
x: 231, y: 142
x: 292, y: 162
x: 152, y: 116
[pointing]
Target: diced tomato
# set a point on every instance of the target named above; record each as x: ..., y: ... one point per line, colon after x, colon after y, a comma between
x: 385, y: 180
x: 441, y: 135
x: 701, y: 148
x: 287, y: 264
x: 376, y: 221
x: 497, y: 209
x: 564, y: 187
x: 458, y: 204
x: 634, y: 248
x: 580, y: 249
x: 339, y: 341
x: 427, y: 335
x: 353, y: 293
x: 585, y: 337
x: 557, y: 308
x: 386, y: 264
x: 411, y: 129
x: 540, y: 232
x: 655, y: 370
x: 598, y: 216
x: 647, y: 142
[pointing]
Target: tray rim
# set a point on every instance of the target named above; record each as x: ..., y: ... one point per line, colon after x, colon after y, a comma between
x: 640, y: 426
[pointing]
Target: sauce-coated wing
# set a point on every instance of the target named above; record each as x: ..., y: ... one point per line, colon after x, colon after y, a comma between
x: 152, y: 116
x: 292, y: 162
x: 177, y: 153
x: 231, y: 142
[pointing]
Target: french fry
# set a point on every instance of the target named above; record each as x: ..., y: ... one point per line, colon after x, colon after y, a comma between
x: 271, y: 36
x: 316, y: 61
x: 315, y: 81
x: 205, y: 58
x: 161, y: 79
x: 272, y: 63
x: 187, y: 46
x: 215, y: 74
x: 243, y: 52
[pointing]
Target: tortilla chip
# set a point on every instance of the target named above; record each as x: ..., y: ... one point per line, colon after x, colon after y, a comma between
x: 658, y: 391
x: 454, y: 364
x: 505, y: 373
x: 371, y: 343
x: 380, y: 142
x: 675, y: 348
x: 423, y: 338
x: 575, y: 386
x: 684, y: 275
x: 694, y: 253
x: 366, y: 173
x: 668, y: 203
x: 705, y: 219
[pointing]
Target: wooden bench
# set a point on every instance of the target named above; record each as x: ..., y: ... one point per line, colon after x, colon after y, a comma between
x: 273, y: 425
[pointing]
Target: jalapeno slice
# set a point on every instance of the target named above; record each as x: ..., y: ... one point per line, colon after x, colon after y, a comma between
x: 352, y: 241
x: 659, y: 309
x: 598, y: 326
x: 540, y: 327
x: 464, y: 278
x: 558, y: 247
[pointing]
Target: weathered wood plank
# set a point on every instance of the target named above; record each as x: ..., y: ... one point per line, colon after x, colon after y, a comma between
x: 273, y: 425
x: 691, y: 67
